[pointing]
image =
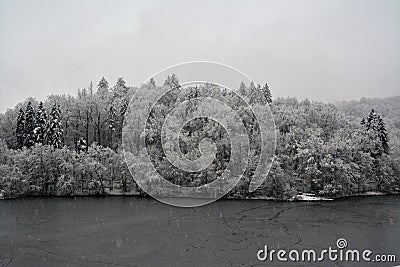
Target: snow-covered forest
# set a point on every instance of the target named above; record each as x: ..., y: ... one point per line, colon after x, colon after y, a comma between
x: 71, y: 145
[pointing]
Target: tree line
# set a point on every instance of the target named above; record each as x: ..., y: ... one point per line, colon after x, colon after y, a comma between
x: 89, y: 117
x: 37, y: 128
x: 75, y: 148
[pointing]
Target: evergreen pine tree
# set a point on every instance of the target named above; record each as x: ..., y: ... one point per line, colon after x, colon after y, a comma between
x: 257, y: 96
x: 29, y: 125
x: 41, y: 124
x: 251, y: 89
x: 20, y: 131
x: 174, y: 81
x: 84, y: 92
x: 120, y: 100
x: 383, y: 135
x: 376, y: 133
x: 242, y: 89
x: 267, y: 93
x: 102, y: 88
x: 167, y: 81
x: 55, y: 131
x: 152, y: 82
x: 120, y: 87
x: 116, y: 111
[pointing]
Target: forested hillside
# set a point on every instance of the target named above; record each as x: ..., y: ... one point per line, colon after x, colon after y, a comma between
x: 71, y: 145
x: 389, y: 108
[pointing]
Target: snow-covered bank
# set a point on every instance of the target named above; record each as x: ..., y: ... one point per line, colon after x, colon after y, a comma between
x: 310, y: 197
x: 296, y: 198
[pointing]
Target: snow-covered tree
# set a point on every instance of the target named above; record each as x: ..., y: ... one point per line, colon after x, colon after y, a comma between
x: 121, y: 83
x: 41, y: 124
x: 102, y: 88
x: 257, y: 96
x: 55, y: 132
x: 30, y: 122
x: 20, y: 131
x: 152, y: 82
x: 120, y: 99
x: 383, y: 135
x: 242, y: 89
x: 84, y: 92
x: 251, y: 89
x: 167, y: 80
x: 267, y: 93
x: 117, y: 107
x: 376, y: 134
x: 172, y: 81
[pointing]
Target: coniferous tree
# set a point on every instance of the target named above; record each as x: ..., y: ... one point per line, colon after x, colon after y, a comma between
x: 252, y: 88
x: 100, y: 108
x: 120, y: 88
x: 29, y: 125
x: 242, y: 89
x: 376, y: 133
x: 376, y: 145
x: 174, y: 81
x: 102, y: 87
x: 167, y: 81
x: 20, y: 131
x: 257, y: 96
x: 267, y: 93
x: 152, y: 82
x: 121, y: 99
x: 84, y: 92
x: 120, y: 93
x: 41, y: 124
x: 383, y: 135
x: 55, y: 131
x: 118, y: 105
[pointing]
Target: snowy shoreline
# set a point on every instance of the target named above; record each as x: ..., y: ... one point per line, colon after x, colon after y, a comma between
x: 305, y: 197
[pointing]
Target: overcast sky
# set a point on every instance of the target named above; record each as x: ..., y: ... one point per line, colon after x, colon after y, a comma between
x: 323, y: 50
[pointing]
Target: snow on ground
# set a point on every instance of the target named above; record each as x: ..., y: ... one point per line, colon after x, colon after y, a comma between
x: 310, y: 197
x: 119, y: 192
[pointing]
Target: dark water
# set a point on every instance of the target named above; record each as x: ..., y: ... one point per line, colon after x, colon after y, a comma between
x: 123, y: 231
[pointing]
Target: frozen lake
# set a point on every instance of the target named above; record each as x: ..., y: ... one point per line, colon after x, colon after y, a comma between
x: 129, y: 231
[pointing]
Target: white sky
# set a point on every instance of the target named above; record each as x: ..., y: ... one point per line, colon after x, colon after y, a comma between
x: 320, y: 49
